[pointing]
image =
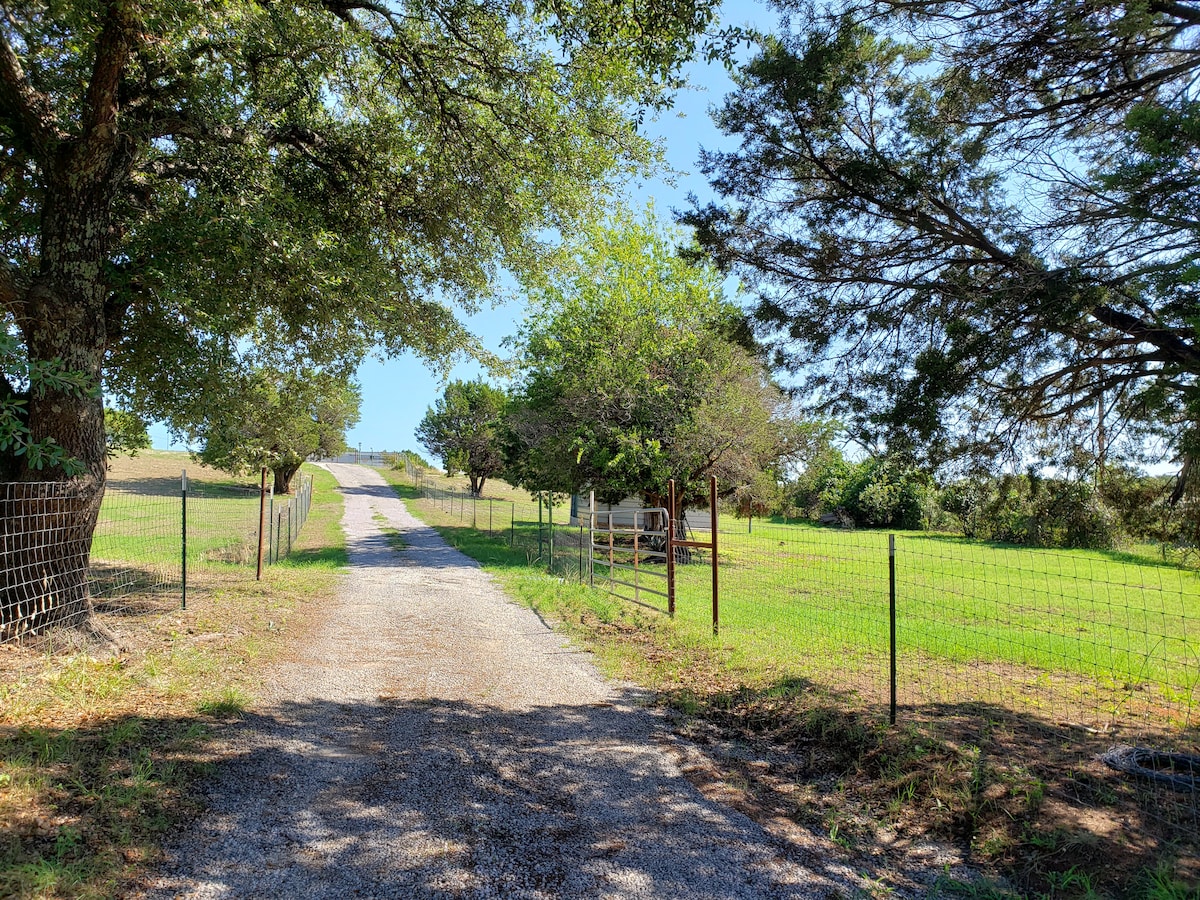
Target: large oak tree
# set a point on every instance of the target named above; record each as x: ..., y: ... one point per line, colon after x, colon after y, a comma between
x: 974, y: 225
x: 184, y: 183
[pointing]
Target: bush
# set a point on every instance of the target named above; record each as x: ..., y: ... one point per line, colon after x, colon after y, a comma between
x: 819, y: 488
x: 1032, y: 511
x: 875, y: 493
x: 889, y: 492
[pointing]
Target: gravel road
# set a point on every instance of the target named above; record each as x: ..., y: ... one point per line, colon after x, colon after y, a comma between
x: 435, y: 740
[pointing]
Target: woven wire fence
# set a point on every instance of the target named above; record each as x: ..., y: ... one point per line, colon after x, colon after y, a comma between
x: 540, y: 525
x: 1083, y: 661
x: 156, y: 543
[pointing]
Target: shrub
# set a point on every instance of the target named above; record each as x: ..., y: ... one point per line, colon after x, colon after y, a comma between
x: 1032, y: 511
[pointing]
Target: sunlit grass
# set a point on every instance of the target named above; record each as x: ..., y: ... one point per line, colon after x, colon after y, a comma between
x: 1108, y: 628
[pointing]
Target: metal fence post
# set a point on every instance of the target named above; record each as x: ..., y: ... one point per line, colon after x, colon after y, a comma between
x: 262, y: 521
x: 670, y: 547
x: 716, y: 589
x: 592, y: 539
x: 550, y: 521
x: 272, y: 556
x: 539, y: 556
x: 512, y: 526
x: 183, y: 538
x: 892, y: 623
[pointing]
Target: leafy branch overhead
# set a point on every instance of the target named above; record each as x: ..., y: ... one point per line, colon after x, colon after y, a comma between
x: 330, y: 176
x: 973, y: 227
x: 187, y: 187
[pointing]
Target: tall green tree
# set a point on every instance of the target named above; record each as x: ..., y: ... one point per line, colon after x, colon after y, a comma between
x: 973, y: 226
x: 637, y: 370
x: 276, y: 420
x: 462, y: 429
x: 181, y: 181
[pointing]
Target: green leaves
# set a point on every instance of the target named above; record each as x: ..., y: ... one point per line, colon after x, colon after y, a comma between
x: 275, y: 418
x: 306, y: 180
x: 23, y: 379
x: 463, y: 430
x: 631, y: 377
x: 969, y: 233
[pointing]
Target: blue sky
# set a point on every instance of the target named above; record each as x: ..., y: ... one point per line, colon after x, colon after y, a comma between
x: 396, y: 392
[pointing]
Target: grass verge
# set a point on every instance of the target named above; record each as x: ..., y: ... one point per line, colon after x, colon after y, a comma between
x: 1011, y: 795
x: 99, y: 754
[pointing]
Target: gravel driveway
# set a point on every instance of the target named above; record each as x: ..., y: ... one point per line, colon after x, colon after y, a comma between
x: 436, y: 740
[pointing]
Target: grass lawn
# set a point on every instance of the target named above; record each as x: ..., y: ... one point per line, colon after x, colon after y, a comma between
x: 1100, y: 635
x: 1095, y: 637
x: 99, y: 752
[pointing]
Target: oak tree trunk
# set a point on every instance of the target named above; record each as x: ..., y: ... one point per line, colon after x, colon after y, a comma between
x: 283, y: 477
x: 48, y: 517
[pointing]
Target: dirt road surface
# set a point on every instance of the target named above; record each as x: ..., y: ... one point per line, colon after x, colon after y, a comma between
x: 432, y: 739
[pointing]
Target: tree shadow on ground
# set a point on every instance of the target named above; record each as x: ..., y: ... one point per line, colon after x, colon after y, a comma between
x: 1026, y: 798
x: 413, y: 798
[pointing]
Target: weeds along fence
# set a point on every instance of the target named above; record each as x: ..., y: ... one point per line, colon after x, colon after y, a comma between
x: 1085, y: 662
x: 156, y: 541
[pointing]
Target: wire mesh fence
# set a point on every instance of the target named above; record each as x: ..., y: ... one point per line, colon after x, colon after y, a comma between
x: 153, y: 537
x: 1079, y: 655
x: 1080, y: 658
x: 541, y: 525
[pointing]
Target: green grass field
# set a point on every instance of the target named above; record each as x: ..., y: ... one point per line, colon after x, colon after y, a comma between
x: 1095, y: 637
x: 1092, y: 635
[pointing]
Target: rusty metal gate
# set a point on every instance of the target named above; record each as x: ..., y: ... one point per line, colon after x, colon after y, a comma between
x: 631, y: 547
x: 636, y: 550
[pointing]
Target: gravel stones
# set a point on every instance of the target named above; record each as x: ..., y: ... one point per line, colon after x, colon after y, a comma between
x: 435, y: 740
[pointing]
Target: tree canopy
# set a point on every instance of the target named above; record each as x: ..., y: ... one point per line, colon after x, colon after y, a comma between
x: 637, y: 370
x: 325, y: 176
x: 277, y: 420
x: 973, y: 226
x: 463, y: 430
x: 125, y: 432
x: 188, y: 188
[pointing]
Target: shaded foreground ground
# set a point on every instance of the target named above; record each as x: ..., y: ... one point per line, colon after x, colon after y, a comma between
x: 435, y: 739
